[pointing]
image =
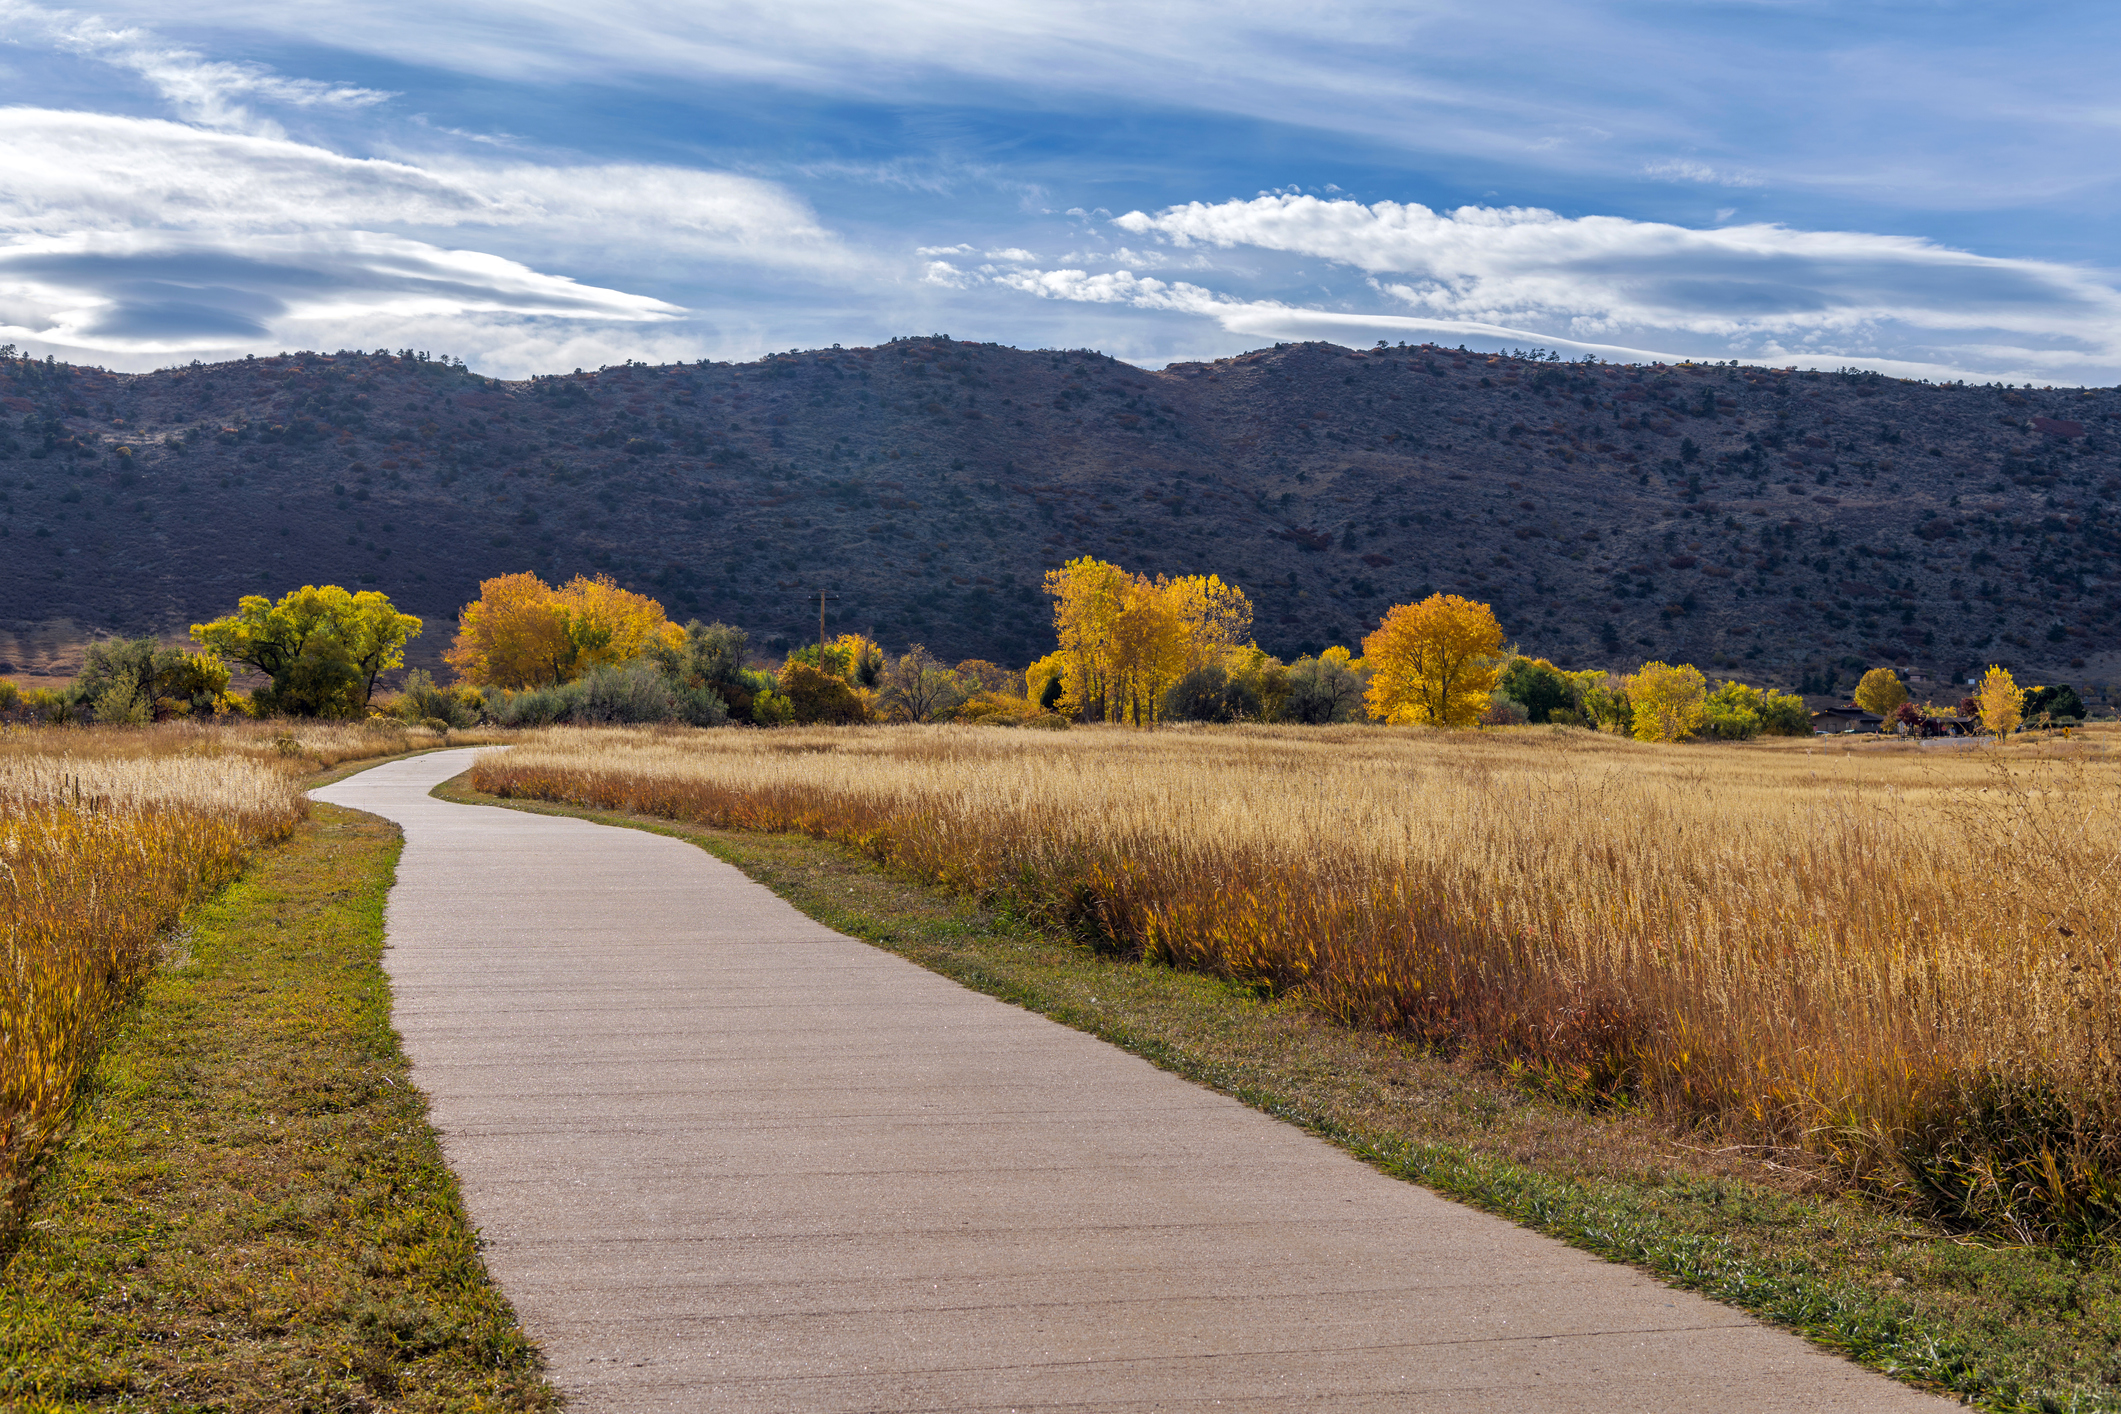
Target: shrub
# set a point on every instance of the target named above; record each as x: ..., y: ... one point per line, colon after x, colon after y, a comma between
x: 630, y: 692
x: 1322, y: 691
x: 421, y: 699
x: 818, y: 696
x: 701, y: 707
x: 535, y: 707
x: 1504, y: 710
x: 1210, y: 694
x: 995, y: 709
x: 1541, y: 687
x: 49, y: 704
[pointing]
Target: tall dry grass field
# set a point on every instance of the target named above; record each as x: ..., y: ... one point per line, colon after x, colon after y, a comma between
x: 106, y: 834
x: 1899, y: 960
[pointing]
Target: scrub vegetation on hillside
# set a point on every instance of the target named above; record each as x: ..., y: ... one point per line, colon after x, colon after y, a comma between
x: 1762, y: 520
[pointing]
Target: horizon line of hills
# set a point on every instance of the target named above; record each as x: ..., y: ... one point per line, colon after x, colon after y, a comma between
x: 1790, y: 528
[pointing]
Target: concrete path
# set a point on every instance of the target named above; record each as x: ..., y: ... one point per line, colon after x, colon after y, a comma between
x: 724, y: 1158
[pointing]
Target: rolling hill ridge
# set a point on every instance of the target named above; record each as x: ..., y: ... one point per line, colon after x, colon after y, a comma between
x: 1785, y: 527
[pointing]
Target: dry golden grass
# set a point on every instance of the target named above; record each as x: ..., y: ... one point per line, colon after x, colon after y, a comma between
x: 1898, y: 959
x: 293, y: 747
x: 106, y: 835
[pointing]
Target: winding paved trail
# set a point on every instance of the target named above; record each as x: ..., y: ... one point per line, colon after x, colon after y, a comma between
x: 724, y: 1158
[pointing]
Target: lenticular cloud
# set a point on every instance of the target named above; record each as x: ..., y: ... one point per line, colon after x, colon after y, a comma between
x: 1605, y: 273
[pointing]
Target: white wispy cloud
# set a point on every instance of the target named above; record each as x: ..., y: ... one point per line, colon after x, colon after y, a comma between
x: 68, y: 171
x: 216, y: 93
x: 1981, y: 112
x: 1680, y: 170
x: 120, y: 233
x: 1598, y: 277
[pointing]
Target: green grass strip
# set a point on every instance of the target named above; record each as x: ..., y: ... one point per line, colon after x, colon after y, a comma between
x: 2006, y: 1329
x: 251, y: 1211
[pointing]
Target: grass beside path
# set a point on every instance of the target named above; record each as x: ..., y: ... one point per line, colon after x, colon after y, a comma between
x: 2011, y: 1329
x: 251, y: 1212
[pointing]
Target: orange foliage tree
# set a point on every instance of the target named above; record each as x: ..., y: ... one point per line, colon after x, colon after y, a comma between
x: 1434, y: 662
x: 521, y: 632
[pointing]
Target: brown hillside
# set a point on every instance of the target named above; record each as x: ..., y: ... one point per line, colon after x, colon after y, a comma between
x: 1786, y: 527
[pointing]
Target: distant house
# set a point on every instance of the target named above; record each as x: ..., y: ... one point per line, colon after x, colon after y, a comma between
x: 1846, y: 719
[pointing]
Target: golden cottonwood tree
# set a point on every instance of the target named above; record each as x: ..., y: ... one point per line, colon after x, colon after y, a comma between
x: 1217, y: 618
x: 1669, y: 703
x: 521, y: 632
x: 1125, y: 638
x: 1088, y: 597
x: 2000, y: 703
x: 512, y: 636
x: 1434, y: 662
x: 1880, y: 691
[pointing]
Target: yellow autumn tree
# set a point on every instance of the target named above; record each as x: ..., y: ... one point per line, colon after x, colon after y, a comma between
x: 521, y: 632
x: 1999, y: 701
x: 1881, y: 691
x: 1215, y: 617
x: 1126, y: 638
x: 513, y: 635
x: 1088, y: 598
x: 1149, y: 644
x: 1434, y: 662
x: 1669, y: 702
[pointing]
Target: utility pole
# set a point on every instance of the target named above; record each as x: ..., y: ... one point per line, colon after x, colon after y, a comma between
x: 822, y: 596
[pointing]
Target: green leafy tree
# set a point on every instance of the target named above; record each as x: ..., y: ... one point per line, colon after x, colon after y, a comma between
x: 322, y: 646
x: 1542, y: 688
x: 706, y: 669
x: 1733, y: 712
x: 117, y: 681
x: 1603, y: 699
x: 2053, y: 705
x: 133, y: 680
x: 1210, y: 693
x: 1784, y: 714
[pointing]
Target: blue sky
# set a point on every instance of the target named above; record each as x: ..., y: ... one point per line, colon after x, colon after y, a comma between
x: 1925, y: 188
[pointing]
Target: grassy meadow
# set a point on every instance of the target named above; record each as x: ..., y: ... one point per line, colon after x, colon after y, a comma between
x: 107, y: 835
x: 1893, y: 963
